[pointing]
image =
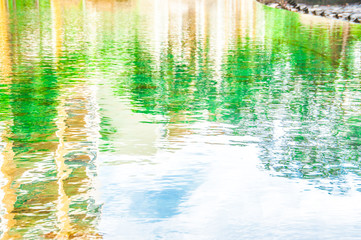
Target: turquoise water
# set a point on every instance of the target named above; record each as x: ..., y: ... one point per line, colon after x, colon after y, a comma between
x: 177, y: 119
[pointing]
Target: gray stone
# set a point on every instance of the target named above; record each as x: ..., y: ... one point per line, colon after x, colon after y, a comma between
x: 355, y: 16
x: 350, y: 12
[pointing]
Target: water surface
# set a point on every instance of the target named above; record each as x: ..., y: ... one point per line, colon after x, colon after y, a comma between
x: 207, y: 119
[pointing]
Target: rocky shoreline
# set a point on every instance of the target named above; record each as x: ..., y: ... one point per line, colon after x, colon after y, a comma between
x: 351, y: 12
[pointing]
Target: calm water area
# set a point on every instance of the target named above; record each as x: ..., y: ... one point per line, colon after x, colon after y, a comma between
x: 177, y: 119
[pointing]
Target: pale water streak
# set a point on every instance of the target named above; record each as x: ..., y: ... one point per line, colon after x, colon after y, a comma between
x: 177, y: 119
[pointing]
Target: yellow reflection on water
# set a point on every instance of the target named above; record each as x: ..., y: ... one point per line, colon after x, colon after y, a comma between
x: 57, y: 27
x: 5, y: 61
x: 7, y: 166
x: 62, y: 170
x: 73, y: 130
x: 63, y: 173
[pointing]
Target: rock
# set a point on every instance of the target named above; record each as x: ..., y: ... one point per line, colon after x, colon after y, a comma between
x: 327, y: 13
x: 318, y: 12
x: 343, y: 15
x: 302, y: 5
x: 273, y: 5
x: 356, y: 15
x: 351, y: 12
x: 292, y: 3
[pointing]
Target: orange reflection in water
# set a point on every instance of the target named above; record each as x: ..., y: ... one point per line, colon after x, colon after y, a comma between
x: 7, y: 166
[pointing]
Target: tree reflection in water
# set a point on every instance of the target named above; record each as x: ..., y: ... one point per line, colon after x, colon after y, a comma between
x: 290, y: 81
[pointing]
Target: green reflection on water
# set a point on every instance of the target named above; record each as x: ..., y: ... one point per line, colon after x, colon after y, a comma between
x: 291, y: 81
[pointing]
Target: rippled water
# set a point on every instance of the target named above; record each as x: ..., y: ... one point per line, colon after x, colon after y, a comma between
x: 206, y: 119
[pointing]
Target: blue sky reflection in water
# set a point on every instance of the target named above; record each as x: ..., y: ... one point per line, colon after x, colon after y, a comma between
x: 207, y: 119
